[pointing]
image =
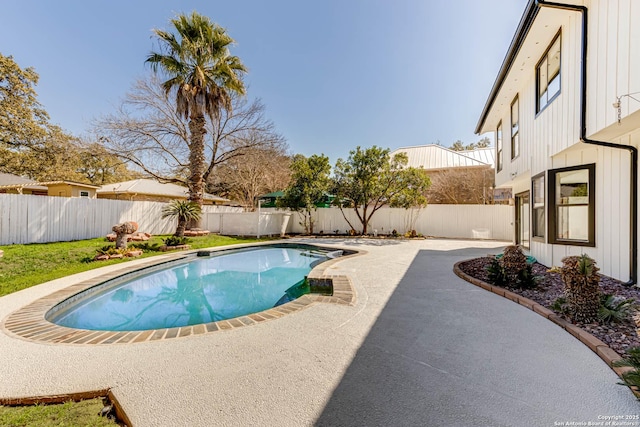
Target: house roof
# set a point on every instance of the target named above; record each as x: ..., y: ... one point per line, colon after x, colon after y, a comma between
x: 77, y: 184
x: 273, y: 194
x: 153, y: 188
x: 529, y: 15
x: 434, y: 157
x: 8, y: 180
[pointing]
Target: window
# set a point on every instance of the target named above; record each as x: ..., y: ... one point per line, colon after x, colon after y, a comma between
x: 572, y: 210
x: 84, y: 194
x: 548, y: 75
x: 499, y: 147
x: 537, y: 214
x: 515, y: 128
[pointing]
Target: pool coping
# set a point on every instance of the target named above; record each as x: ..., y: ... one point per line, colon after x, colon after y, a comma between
x: 29, y: 322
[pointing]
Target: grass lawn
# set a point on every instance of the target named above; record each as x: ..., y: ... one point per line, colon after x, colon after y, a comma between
x: 71, y: 414
x: 23, y: 266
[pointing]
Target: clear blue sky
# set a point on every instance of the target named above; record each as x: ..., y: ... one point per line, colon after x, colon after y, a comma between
x: 333, y: 74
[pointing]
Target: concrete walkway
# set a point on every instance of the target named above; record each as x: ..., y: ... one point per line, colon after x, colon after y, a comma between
x: 420, y: 347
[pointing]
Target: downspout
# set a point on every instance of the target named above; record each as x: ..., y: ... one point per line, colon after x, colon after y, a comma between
x: 633, y: 151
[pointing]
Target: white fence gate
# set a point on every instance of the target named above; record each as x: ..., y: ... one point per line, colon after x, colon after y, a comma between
x: 41, y: 219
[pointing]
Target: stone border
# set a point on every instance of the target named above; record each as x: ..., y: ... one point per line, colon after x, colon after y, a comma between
x: 29, y: 322
x: 606, y: 353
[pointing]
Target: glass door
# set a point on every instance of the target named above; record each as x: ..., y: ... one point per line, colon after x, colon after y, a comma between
x: 522, y: 219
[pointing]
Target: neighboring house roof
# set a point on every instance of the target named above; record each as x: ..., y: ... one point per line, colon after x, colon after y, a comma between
x: 8, y: 180
x: 274, y: 194
x: 436, y: 157
x: 152, y: 188
x: 77, y: 184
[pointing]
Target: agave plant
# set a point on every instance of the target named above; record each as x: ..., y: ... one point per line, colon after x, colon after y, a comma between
x: 185, y: 211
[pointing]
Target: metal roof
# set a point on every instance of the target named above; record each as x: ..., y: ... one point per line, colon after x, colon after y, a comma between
x: 151, y: 187
x: 434, y: 157
x: 8, y: 180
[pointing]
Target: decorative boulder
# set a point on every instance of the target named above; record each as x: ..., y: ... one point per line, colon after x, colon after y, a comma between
x: 122, y: 233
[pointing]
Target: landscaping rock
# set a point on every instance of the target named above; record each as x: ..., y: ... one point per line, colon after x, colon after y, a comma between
x: 134, y: 253
x: 619, y: 336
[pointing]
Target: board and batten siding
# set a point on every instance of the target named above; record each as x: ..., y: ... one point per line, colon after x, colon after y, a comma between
x: 614, y: 60
x: 556, y: 127
x: 612, y: 210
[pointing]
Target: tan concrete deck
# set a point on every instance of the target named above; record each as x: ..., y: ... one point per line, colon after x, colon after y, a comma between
x: 419, y: 347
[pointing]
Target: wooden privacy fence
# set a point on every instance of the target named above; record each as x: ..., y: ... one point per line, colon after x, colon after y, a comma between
x: 41, y: 219
x: 450, y: 221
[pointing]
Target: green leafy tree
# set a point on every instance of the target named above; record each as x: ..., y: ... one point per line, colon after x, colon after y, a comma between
x: 185, y: 211
x: 483, y: 143
x: 309, y: 183
x: 458, y: 146
x: 203, y: 74
x: 22, y: 118
x: 369, y: 179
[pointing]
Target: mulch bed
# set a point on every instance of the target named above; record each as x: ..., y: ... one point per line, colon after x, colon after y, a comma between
x: 619, y: 336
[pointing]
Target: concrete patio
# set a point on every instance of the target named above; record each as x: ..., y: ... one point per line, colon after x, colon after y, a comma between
x: 420, y: 347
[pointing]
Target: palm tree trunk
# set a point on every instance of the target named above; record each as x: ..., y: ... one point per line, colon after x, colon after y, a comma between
x: 196, y: 162
x: 182, y: 225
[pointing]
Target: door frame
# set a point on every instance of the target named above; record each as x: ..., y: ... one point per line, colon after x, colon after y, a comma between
x: 525, y: 195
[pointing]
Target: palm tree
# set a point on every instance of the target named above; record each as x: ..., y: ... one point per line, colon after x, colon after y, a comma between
x: 185, y: 210
x: 203, y: 74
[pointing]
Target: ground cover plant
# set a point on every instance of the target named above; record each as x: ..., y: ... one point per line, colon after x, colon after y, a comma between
x: 23, y: 266
x: 76, y: 414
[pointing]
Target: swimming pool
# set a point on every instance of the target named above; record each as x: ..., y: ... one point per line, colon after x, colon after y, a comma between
x: 210, y: 287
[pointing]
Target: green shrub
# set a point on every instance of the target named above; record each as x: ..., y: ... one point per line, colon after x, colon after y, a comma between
x: 559, y: 305
x: 631, y: 378
x: 526, y: 279
x: 614, y: 308
x: 497, y: 274
x: 175, y: 241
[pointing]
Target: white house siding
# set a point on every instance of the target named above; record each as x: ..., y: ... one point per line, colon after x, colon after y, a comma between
x: 614, y: 60
x: 552, y: 139
x: 612, y: 211
x: 557, y: 126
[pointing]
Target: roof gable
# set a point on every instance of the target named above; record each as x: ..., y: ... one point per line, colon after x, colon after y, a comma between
x: 433, y: 157
x: 151, y: 187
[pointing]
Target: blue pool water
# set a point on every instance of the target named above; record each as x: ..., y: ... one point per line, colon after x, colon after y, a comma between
x: 201, y: 290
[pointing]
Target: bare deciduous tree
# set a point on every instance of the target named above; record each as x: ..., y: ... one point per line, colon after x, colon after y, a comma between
x: 461, y: 186
x: 147, y: 131
x: 258, y: 171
